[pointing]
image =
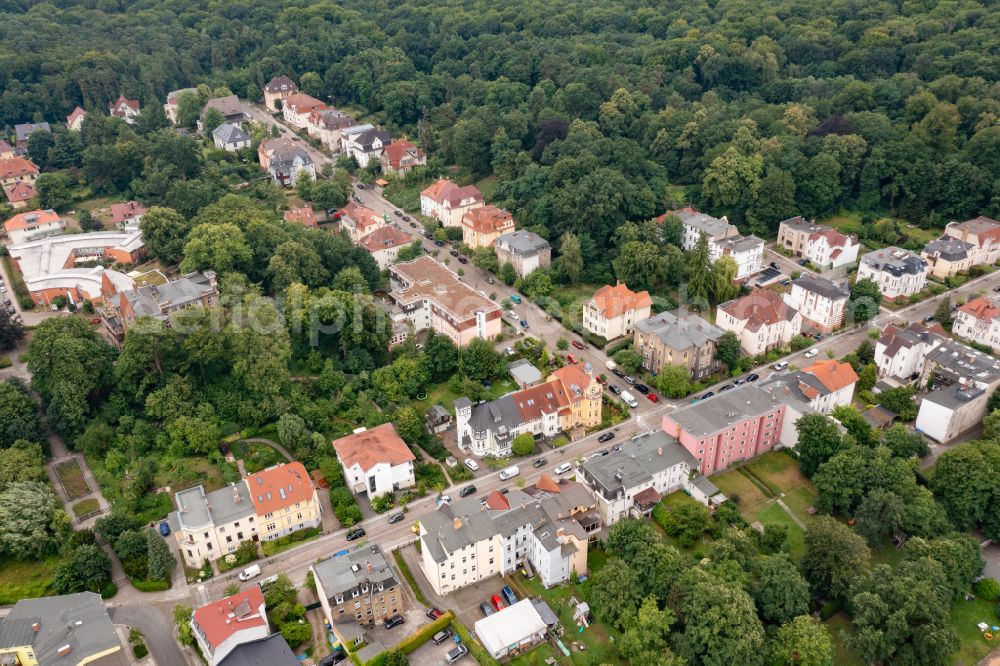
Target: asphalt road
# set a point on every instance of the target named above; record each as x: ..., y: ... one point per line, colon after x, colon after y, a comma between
x: 157, y: 626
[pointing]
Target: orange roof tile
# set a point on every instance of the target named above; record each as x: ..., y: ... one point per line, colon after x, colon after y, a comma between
x: 122, y: 211
x: 396, y: 151
x: 303, y: 103
x: 445, y: 190
x: 615, y: 301
x: 373, y: 446
x: 981, y: 308
x: 489, y: 220
x: 20, y: 191
x: 833, y: 238
x: 834, y: 375
x: 77, y: 113
x: 545, y: 398
x: 305, y: 215
x: 497, y: 501
x: 32, y: 218
x: 385, y: 237
x: 279, y: 487
x: 548, y: 484
x: 14, y: 167
x: 574, y: 381
x: 362, y: 215
x: 759, y: 308
x: 221, y: 619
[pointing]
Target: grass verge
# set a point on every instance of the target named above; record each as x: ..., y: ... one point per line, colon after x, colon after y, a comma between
x: 25, y: 580
x: 404, y: 569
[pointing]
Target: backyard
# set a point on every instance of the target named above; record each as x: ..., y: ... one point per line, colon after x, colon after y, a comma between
x: 25, y: 580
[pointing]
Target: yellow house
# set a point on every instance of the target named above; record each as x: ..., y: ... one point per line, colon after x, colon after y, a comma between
x: 285, y: 500
x: 481, y: 226
x: 583, y: 393
x: 73, y: 629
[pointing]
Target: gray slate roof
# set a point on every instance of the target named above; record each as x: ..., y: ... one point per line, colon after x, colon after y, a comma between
x: 523, y: 242
x: 680, y: 331
x: 24, y: 130
x: 78, y: 620
x: 823, y: 287
x: 230, y: 133
x: 961, y: 361
x: 270, y: 651
x: 637, y: 461
x: 712, y: 226
x: 189, y: 289
x: 367, y: 139
x: 343, y: 573
x: 724, y: 409
x: 895, y: 261
x: 949, y: 247
x: 196, y: 508
x: 501, y: 416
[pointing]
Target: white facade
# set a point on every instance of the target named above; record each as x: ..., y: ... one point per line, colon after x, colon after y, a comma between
x: 237, y: 638
x: 822, y: 254
x: 746, y: 251
x: 898, y: 273
x: 471, y: 564
x: 381, y: 478
x: 516, y: 627
x: 825, y: 311
x: 984, y: 330
x: 766, y: 336
x: 825, y: 404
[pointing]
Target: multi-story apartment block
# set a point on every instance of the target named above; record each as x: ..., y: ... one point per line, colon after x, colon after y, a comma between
x: 472, y: 539
x: 983, y: 233
x: 898, y: 273
x: 821, y: 303
x: 761, y: 320
x: 524, y: 250
x: 297, y: 107
x: 222, y: 626
x: 724, y: 240
x: 267, y: 505
x: 358, y: 586
x: 631, y: 481
x: 431, y: 296
x: 277, y: 91
x: 327, y: 125
x: 794, y: 233
x: 824, y: 385
x: 979, y: 321
x: 157, y: 301
x: 900, y: 352
x: 613, y: 311
x: 678, y: 338
x: 375, y: 461
x: 570, y: 398
x: 948, y: 256
x: 962, y: 381
x: 448, y: 203
x: 365, y: 146
x: 831, y: 249
x: 481, y: 226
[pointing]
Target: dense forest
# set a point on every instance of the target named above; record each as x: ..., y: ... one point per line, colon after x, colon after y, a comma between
x: 588, y: 113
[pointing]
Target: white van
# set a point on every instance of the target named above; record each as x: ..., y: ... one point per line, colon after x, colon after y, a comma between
x: 251, y: 571
x: 509, y: 472
x: 629, y: 399
x: 610, y: 365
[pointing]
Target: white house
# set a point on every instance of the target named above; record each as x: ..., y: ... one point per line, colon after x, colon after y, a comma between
x: 448, y: 203
x: 761, y: 320
x: 221, y: 626
x: 613, y: 311
x: 821, y: 303
x: 979, y: 321
x: 724, y: 240
x: 230, y: 137
x: 900, y: 352
x: 384, y: 244
x: 126, y: 109
x: 297, y: 107
x: 375, y: 461
x: 898, y: 273
x: 964, y: 379
x: 366, y: 145
x: 831, y: 249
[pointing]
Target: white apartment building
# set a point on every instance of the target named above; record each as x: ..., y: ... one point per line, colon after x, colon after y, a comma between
x: 832, y: 249
x: 761, y: 320
x: 724, y: 240
x: 375, y: 461
x: 900, y: 352
x: 613, y: 311
x: 208, y: 526
x: 448, y: 203
x: 821, y: 303
x: 964, y: 379
x: 979, y: 321
x: 898, y: 273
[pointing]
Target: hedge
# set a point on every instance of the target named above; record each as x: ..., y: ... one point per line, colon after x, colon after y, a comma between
x: 404, y: 568
x: 284, y: 543
x: 140, y: 650
x: 150, y: 585
x: 415, y: 640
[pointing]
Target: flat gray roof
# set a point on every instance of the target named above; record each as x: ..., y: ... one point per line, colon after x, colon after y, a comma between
x: 195, y: 508
x: 343, y: 573
x: 78, y: 620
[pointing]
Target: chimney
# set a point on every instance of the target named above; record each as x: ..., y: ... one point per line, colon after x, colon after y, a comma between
x: 36, y: 627
x: 369, y: 566
x: 659, y: 451
x: 236, y: 494
x: 64, y: 650
x: 458, y: 522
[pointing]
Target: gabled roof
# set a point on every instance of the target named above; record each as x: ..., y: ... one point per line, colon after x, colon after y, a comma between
x: 398, y: 149
x: 23, y: 130
x: 833, y: 238
x: 445, y: 191
x: 372, y: 447
x: 77, y: 113
x: 230, y: 133
x: 123, y: 211
x: 279, y: 487
x: 384, y: 238
x: 117, y: 106
x: 32, y: 218
x: 760, y: 308
x: 20, y: 191
x: 949, y: 247
x: 982, y: 227
x: 894, y: 338
x: 488, y: 219
x: 981, y: 308
x: 574, y: 380
x: 13, y: 167
x: 833, y: 375
x: 303, y: 103
x: 270, y: 651
x: 228, y: 106
x: 613, y: 302
x: 362, y: 216
x: 305, y: 215
x: 823, y: 287
x: 50, y: 624
x: 547, y: 398
x: 220, y: 619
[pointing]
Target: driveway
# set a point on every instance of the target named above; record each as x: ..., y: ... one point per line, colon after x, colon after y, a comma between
x: 156, y: 623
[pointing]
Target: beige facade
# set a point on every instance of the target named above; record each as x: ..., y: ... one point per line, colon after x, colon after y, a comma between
x: 678, y: 339
x: 612, y: 311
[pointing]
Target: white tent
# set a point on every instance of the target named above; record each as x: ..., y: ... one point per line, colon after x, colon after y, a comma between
x: 517, y: 626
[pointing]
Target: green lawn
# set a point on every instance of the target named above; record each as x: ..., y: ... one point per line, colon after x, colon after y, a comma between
x: 256, y: 456
x: 405, y: 195
x: 16, y: 281
x: 488, y: 186
x: 799, y: 500
x: 771, y: 512
x: 778, y: 470
x: 734, y: 484
x: 965, y: 615
x: 25, y: 580
x: 182, y: 473
x: 441, y: 394
x: 84, y: 507
x: 71, y: 477
x: 837, y: 625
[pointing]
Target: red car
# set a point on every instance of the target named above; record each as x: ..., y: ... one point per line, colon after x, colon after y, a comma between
x: 578, y: 344
x: 497, y: 602
x: 652, y: 397
x: 570, y: 358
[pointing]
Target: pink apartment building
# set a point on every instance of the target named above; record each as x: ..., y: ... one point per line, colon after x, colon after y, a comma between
x: 730, y: 427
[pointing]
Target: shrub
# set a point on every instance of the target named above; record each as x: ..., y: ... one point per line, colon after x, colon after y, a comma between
x: 245, y: 554
x: 523, y: 445
x: 829, y: 609
x: 284, y: 543
x: 5, y: 362
x: 150, y: 585
x: 140, y: 650
x: 988, y: 589
x: 382, y: 503
x: 801, y: 342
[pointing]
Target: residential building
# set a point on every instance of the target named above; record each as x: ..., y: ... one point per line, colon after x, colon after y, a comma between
x: 24, y: 130
x: 448, y: 203
x: 384, y: 244
x: 978, y: 321
x: 524, y: 250
x: 230, y: 138
x: 270, y: 651
x: 50, y: 269
x: 67, y: 630
x: 376, y: 461
x: 286, y: 161
x: 400, y: 157
x: 898, y: 273
x: 219, y: 627
x: 285, y: 500
x: 431, y: 296
x: 900, y: 352
x: 469, y: 540
x: 962, y: 381
x: 6, y: 150
x: 482, y: 226
x: 126, y: 109
x: 326, y: 124
x: 613, y: 311
x: 948, y: 256
x: 171, y: 105
x: 761, y: 320
x: 724, y: 240
x: 359, y: 221
x: 438, y: 419
x: 821, y: 303
x: 678, y: 338
x: 122, y: 309
x: 126, y: 216
x: 228, y: 107
x: 570, y: 398
x: 277, y: 91
x: 983, y: 233
x: 365, y: 146
x: 794, y: 233
x: 631, y: 481
x: 304, y: 215
x: 824, y: 385
x: 512, y: 630
x: 828, y: 249
x: 524, y: 373
x: 74, y: 121
x: 736, y: 425
x: 38, y: 224
x: 19, y: 195
x: 348, y: 134
x: 297, y: 107
x: 358, y: 585
x: 16, y: 170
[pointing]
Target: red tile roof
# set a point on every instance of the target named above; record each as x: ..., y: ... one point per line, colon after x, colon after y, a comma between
x: 362, y: 215
x: 614, y: 301
x: 373, y: 446
x: 497, y: 501
x: 446, y: 191
x: 383, y: 238
x: 574, y: 381
x: 834, y: 375
x: 14, y: 167
x: 221, y: 619
x: 760, y: 308
x: 279, y: 487
x: 113, y: 107
x: 123, y: 211
x: 21, y: 191
x: 833, y: 238
x: 396, y: 151
x: 77, y: 113
x: 981, y: 308
x: 489, y: 220
x: 306, y: 216
x: 547, y: 398
x: 548, y: 484
x: 303, y: 103
x: 32, y: 218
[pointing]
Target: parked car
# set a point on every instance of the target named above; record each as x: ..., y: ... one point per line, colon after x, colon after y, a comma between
x: 630, y: 379
x: 571, y: 359
x: 541, y: 462
x: 164, y: 529
x: 444, y: 499
x: 752, y: 377
x: 439, y: 243
x: 578, y: 344
x: 515, y: 298
x: 453, y: 253
x: 434, y: 613
x: 497, y: 602
x: 708, y: 395
x: 471, y: 464
x: 361, y: 186
x: 774, y: 265
x: 270, y: 580
x: 413, y: 224
x: 393, y: 621
x: 406, y: 218
x: 653, y: 397
x: 486, y: 609
x: 641, y: 388
x: 780, y: 365
x: 727, y: 387
x: 606, y: 437
x: 997, y: 289
x: 738, y: 382
x: 812, y: 352
x: 509, y: 351
x: 785, y: 283
x: 251, y: 571
x: 614, y: 390
x: 562, y: 469
x: 928, y: 319
x: 618, y: 373
x: 803, y: 262
x: 509, y: 595
x: 396, y: 517
x: 356, y: 533
x: 442, y: 636
x: 466, y: 491
x: 524, y: 324
x: 463, y: 260
x: 456, y: 653
x: 490, y: 280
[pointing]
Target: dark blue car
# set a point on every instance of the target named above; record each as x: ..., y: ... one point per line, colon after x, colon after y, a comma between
x: 164, y: 528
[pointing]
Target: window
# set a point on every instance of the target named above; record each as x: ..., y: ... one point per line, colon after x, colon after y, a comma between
x: 357, y: 604
x: 229, y: 539
x: 239, y: 535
